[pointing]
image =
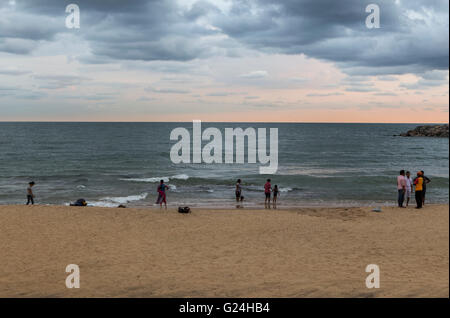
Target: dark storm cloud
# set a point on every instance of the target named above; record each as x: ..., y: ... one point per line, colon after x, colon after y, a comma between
x: 150, y: 30
x: 117, y: 30
x: 413, y: 37
x: 336, y: 31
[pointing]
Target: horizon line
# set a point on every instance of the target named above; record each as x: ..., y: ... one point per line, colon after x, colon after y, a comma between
x: 237, y: 122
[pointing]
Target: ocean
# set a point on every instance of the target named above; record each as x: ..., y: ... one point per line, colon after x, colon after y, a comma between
x: 109, y: 164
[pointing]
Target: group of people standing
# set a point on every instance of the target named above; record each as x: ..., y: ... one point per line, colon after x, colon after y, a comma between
x: 269, y: 192
x: 406, y: 186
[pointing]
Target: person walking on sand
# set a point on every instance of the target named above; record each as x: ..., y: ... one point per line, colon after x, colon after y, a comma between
x: 418, y: 182
x: 162, y: 194
x: 276, y: 192
x: 267, y: 191
x: 409, y: 187
x: 30, y: 194
x: 401, y: 188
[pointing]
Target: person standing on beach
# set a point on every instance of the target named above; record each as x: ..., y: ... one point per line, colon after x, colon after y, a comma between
x: 401, y: 187
x: 418, y: 182
x: 426, y: 180
x: 267, y: 191
x: 409, y: 186
x: 238, y: 190
x: 238, y: 193
x: 276, y: 192
x: 30, y: 194
x: 162, y: 194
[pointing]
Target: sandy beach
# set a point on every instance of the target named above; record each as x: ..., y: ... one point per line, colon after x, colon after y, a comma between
x: 304, y: 252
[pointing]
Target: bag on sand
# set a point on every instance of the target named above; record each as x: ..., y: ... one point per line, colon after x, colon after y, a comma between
x: 186, y: 209
x: 79, y: 202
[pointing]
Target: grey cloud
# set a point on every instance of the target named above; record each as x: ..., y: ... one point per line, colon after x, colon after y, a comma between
x: 96, y: 97
x: 168, y: 90
x: 385, y: 94
x: 387, y: 78
x: 428, y: 80
x: 7, y: 91
x: 13, y: 72
x: 31, y: 95
x: 254, y: 75
x: 157, y: 30
x: 361, y: 89
x: 223, y: 94
x: 59, y: 81
x: 20, y: 93
x: 135, y: 30
x: 435, y: 75
x: 146, y: 99
x: 332, y: 30
x: 17, y: 46
x: 324, y: 95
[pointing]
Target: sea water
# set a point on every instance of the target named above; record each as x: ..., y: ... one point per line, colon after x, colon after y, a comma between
x: 121, y: 163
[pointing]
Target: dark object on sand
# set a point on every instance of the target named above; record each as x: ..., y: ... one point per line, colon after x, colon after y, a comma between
x: 428, y: 131
x: 185, y: 209
x: 79, y: 202
x: 122, y: 206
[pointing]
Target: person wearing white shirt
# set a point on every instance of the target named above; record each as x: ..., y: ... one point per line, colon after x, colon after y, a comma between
x: 409, y: 187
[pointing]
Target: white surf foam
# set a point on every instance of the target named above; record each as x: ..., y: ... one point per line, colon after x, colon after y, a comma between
x: 115, y: 201
x: 181, y: 177
x: 157, y: 179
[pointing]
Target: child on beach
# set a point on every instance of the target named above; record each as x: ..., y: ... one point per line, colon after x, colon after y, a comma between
x: 275, y: 195
x: 162, y: 194
x: 30, y: 195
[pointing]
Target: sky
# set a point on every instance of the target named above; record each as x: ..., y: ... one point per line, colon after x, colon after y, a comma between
x: 225, y: 60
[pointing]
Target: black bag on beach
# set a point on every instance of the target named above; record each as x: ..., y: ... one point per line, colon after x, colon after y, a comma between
x: 79, y: 202
x: 186, y: 209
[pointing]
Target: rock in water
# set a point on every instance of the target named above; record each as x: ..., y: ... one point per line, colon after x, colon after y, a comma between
x: 428, y: 131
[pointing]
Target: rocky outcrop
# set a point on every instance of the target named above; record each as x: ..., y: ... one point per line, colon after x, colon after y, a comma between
x: 428, y: 131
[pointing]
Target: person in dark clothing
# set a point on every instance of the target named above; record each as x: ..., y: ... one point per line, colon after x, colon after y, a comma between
x: 425, y: 181
x: 238, y: 190
x: 418, y: 182
x: 30, y: 195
